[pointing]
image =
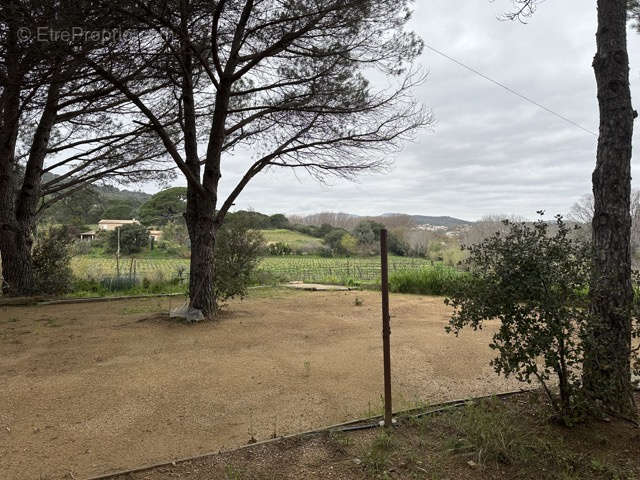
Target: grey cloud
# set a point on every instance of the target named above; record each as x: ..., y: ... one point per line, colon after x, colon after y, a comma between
x: 490, y: 151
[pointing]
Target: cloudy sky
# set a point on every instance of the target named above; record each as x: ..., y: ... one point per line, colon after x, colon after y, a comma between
x: 489, y: 151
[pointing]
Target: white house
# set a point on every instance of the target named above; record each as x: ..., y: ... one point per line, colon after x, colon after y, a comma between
x: 155, y: 234
x: 113, y: 224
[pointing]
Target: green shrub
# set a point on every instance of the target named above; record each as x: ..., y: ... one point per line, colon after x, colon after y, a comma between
x: 133, y: 238
x: 52, y: 262
x: 237, y: 253
x: 80, y: 247
x: 533, y: 280
x: 453, y: 256
x: 278, y: 249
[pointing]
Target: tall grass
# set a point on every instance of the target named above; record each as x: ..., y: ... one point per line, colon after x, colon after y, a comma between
x: 427, y: 280
x: 123, y: 286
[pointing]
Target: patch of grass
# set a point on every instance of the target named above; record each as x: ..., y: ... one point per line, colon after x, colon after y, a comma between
x: 123, y: 287
x: 495, y: 435
x: 377, y: 456
x: 489, y: 432
x: 233, y: 473
x: 428, y: 280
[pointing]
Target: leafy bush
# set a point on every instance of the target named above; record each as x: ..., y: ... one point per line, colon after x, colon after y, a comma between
x: 133, y: 238
x: 176, y: 231
x: 453, y: 256
x: 80, y: 247
x: 534, y: 282
x: 237, y: 253
x: 278, y: 249
x: 340, y: 242
x: 348, y: 245
x: 52, y: 262
x: 309, y: 249
x: 325, y: 252
x: 367, y: 234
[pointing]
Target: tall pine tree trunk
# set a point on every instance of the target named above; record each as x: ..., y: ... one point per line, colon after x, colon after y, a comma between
x: 199, y: 216
x: 19, y: 197
x: 15, y: 244
x: 607, y: 375
x: 15, y: 235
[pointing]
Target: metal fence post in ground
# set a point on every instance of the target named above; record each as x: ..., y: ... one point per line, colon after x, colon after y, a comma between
x: 386, y: 328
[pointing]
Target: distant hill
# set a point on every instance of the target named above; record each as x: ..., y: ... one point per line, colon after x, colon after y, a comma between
x: 349, y: 220
x: 108, y: 192
x: 112, y: 193
x: 444, y: 221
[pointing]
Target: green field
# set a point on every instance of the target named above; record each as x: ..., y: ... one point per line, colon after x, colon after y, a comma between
x: 280, y: 269
x: 340, y: 270
x: 295, y: 240
x: 160, y: 269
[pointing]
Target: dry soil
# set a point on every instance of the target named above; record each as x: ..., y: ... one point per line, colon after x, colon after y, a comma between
x: 92, y: 388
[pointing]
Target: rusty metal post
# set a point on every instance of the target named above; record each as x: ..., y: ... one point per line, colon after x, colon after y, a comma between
x: 386, y: 328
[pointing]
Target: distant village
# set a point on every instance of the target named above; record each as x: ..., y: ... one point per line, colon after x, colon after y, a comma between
x: 455, y: 231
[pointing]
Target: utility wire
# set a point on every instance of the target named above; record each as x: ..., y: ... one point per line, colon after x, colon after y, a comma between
x: 510, y: 90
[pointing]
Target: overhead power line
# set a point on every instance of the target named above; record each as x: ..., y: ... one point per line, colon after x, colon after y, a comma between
x: 510, y: 90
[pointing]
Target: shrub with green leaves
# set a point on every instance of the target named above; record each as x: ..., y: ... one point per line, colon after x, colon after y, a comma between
x: 133, y: 238
x: 52, y: 262
x: 237, y: 253
x: 535, y: 282
x: 278, y: 249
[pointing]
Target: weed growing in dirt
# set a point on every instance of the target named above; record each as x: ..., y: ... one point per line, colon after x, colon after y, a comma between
x: 232, y: 473
x: 377, y: 456
x: 340, y: 440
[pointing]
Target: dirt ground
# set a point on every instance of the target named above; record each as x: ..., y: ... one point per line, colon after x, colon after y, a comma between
x: 435, y: 448
x: 92, y: 388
